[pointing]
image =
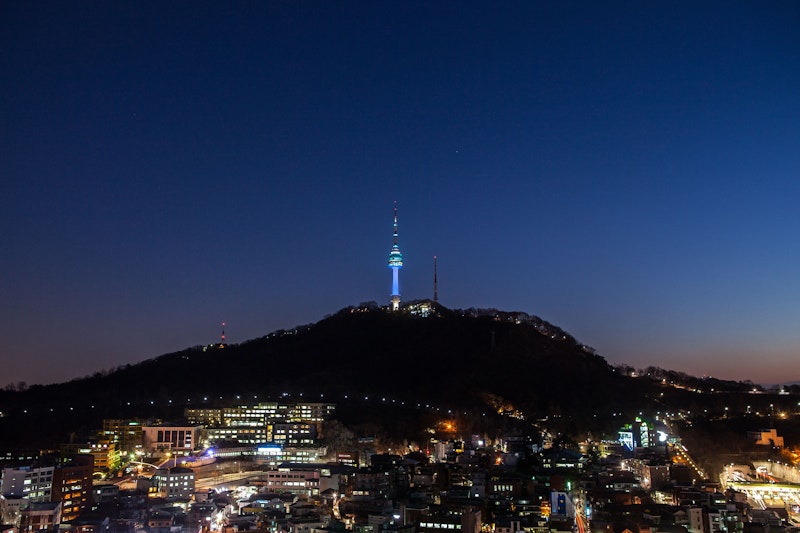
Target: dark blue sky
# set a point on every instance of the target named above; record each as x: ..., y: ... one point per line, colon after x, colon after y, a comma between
x: 629, y: 171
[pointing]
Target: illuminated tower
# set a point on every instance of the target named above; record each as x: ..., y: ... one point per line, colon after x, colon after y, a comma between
x: 395, y: 262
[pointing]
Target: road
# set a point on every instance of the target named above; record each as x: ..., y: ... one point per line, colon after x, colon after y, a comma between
x: 680, y: 453
x: 229, y: 480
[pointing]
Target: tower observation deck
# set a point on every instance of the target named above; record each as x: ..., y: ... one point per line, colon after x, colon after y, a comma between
x: 395, y: 263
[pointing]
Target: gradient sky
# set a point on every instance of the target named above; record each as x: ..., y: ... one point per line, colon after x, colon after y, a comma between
x: 629, y: 171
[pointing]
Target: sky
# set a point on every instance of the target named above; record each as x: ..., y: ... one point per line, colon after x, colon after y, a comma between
x: 628, y: 171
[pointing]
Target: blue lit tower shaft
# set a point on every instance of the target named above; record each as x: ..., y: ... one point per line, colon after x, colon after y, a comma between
x: 395, y: 282
x: 395, y: 263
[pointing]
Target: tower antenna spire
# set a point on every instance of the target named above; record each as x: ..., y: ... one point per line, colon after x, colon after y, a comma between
x: 222, y: 337
x: 394, y: 239
x: 435, y: 282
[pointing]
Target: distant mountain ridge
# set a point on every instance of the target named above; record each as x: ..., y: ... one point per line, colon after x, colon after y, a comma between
x: 474, y: 361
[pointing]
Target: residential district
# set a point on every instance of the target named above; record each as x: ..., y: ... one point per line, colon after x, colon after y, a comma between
x: 292, y: 467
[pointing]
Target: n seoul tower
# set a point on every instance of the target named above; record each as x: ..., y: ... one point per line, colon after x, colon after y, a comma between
x: 395, y: 262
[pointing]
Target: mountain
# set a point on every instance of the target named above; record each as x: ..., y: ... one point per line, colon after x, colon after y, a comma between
x: 376, y: 365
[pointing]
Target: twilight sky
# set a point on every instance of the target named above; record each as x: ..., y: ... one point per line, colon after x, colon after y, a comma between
x: 629, y: 171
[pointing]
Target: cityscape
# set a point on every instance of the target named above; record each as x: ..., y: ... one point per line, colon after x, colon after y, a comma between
x: 290, y: 465
x: 417, y: 267
x: 297, y: 463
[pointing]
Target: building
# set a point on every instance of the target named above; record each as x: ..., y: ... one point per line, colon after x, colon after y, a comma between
x: 295, y: 434
x: 695, y: 519
x: 652, y: 474
x: 38, y: 516
x: 349, y: 458
x: 30, y: 482
x: 565, y: 459
x: 105, y: 493
x: 175, y: 439
x: 310, y: 412
x: 203, y: 417
x: 256, y: 424
x: 561, y: 504
x: 262, y: 414
x: 275, y: 454
x: 104, y: 453
x: 72, y: 485
x: 126, y: 434
x: 17, y: 456
x: 372, y: 484
x: 304, y: 479
x: 11, y: 509
x: 159, y: 521
x: 304, y: 524
x: 300, y: 482
x: 395, y: 263
x: 767, y: 437
x: 68, y: 482
x: 172, y: 483
x: 723, y: 521
x: 242, y: 435
x: 467, y: 521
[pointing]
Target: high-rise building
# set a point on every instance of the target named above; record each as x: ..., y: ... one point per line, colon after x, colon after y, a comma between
x: 67, y: 480
x: 126, y: 434
x: 395, y: 263
x: 72, y: 485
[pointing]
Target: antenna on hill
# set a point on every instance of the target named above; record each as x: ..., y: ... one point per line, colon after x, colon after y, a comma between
x: 222, y: 337
x: 435, y: 282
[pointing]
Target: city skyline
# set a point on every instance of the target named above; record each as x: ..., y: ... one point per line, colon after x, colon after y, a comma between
x: 625, y: 172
